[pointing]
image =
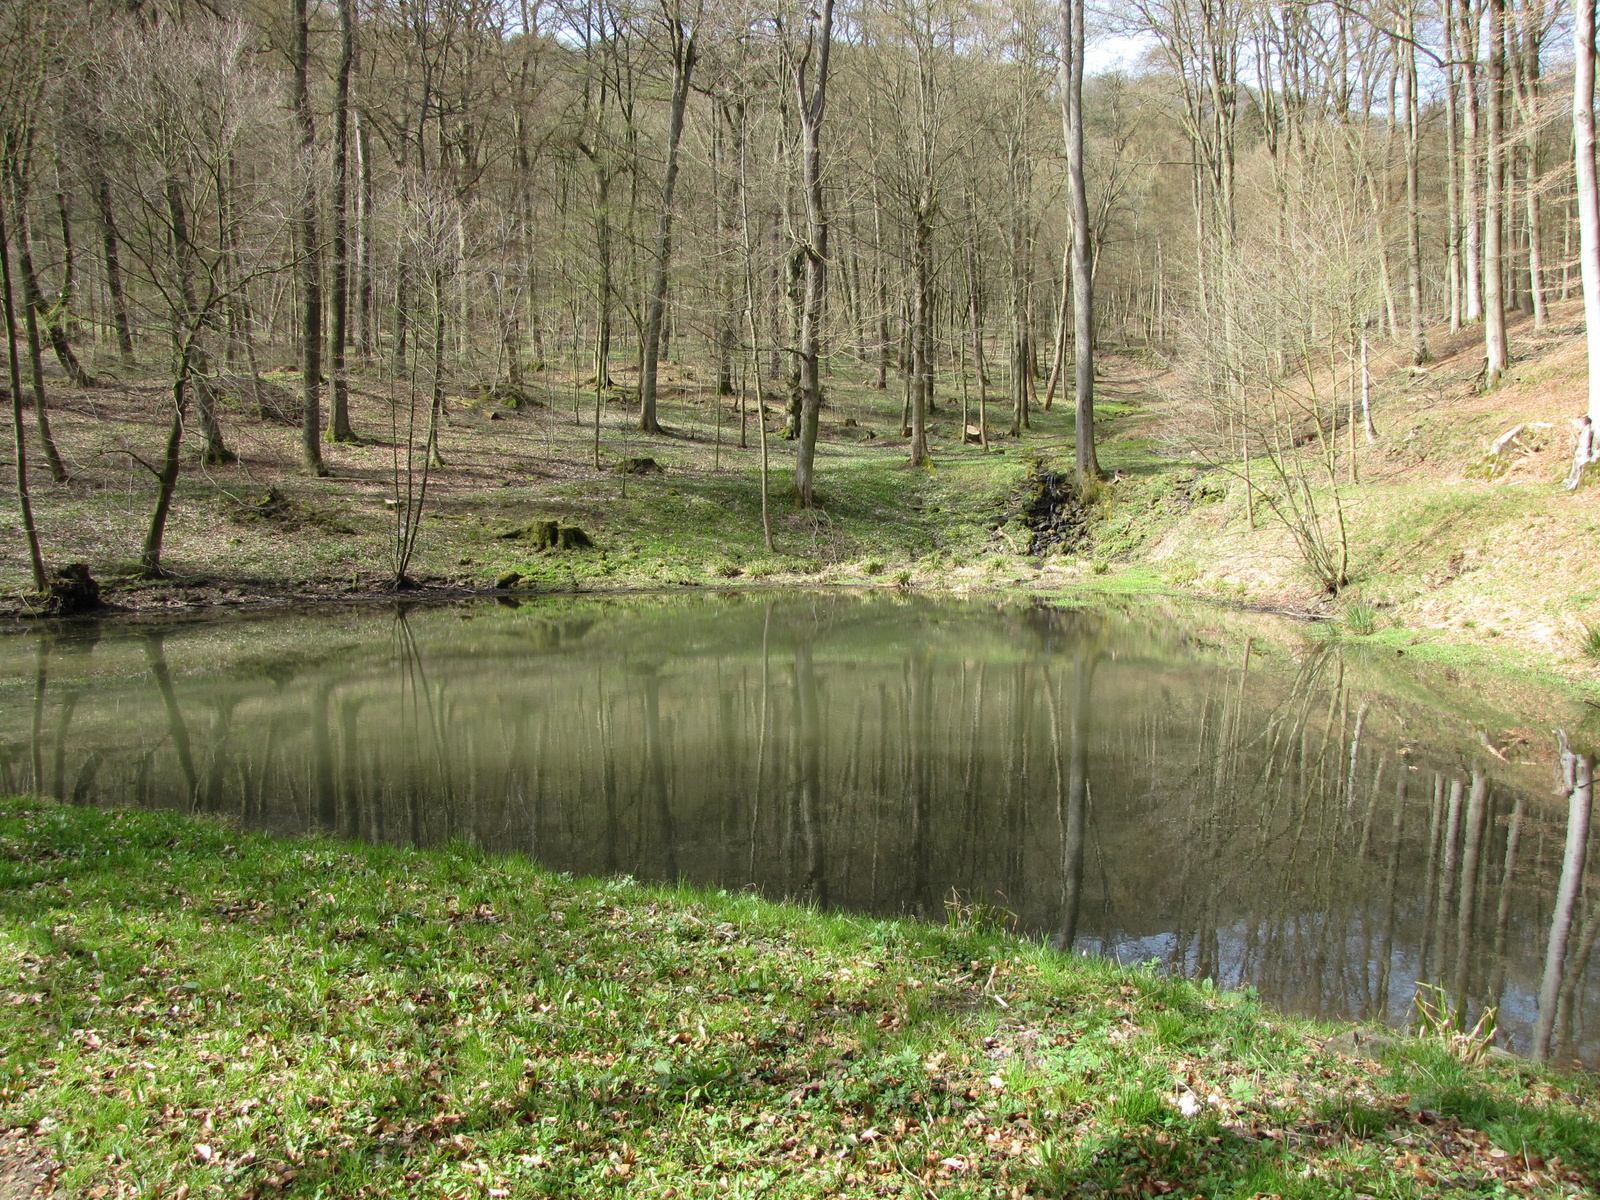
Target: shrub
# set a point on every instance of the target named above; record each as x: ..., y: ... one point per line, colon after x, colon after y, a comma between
x: 1360, y: 618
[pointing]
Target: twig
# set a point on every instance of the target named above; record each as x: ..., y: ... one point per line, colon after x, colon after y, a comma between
x: 135, y: 458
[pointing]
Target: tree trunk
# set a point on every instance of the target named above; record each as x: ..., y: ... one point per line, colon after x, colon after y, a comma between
x: 1494, y: 327
x: 108, y: 238
x: 167, y: 477
x: 602, y: 335
x: 813, y: 103
x: 794, y: 280
x: 725, y: 192
x: 52, y: 318
x: 364, y: 197
x: 30, y: 318
x: 309, y: 258
x: 1583, y: 41
x: 1452, y: 201
x: 1578, y: 770
x: 1063, y: 313
x: 975, y: 313
x: 921, y: 337
x: 188, y: 321
x: 1419, y: 332
x: 19, y: 443
x: 339, y: 417
x: 1468, y: 44
x: 755, y: 342
x: 1072, y: 40
x: 683, y: 58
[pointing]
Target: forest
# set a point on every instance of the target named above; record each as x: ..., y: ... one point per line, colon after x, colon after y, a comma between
x: 373, y: 222
x: 616, y: 373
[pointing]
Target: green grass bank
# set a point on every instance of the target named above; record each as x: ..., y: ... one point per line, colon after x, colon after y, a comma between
x: 190, y: 1010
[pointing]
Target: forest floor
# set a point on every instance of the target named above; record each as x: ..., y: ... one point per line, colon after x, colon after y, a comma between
x: 190, y: 1010
x: 1454, y: 565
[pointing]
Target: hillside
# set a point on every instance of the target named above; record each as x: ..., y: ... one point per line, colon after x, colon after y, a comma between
x: 1438, y: 551
x: 1436, y: 546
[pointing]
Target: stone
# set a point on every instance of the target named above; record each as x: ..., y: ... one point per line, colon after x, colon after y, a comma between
x: 1363, y: 1043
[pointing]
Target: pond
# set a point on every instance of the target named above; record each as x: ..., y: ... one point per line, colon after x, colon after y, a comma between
x: 1232, y: 796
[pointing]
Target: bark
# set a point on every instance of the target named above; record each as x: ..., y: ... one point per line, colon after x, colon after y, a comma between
x: 755, y: 344
x: 19, y: 444
x: 30, y: 319
x: 167, y: 476
x: 975, y: 318
x: 339, y: 417
x: 1419, y: 333
x: 1020, y: 332
x: 1072, y: 41
x: 921, y: 338
x: 113, y: 265
x: 812, y: 95
x: 881, y: 274
x: 683, y: 60
x: 364, y: 293
x: 1583, y: 42
x: 602, y: 337
x: 42, y: 313
x: 1063, y: 314
x: 213, y: 447
x: 1453, y: 280
x: 1494, y: 317
x: 193, y: 367
x: 402, y: 282
x: 724, y: 193
x: 309, y: 258
x: 1468, y: 53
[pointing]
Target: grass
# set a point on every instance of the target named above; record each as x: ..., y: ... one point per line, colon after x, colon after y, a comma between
x: 261, y: 525
x: 1589, y: 643
x: 1359, y: 618
x: 1464, y: 563
x: 194, y: 1010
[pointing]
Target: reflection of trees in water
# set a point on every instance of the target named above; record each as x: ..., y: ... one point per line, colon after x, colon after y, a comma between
x: 1577, y: 772
x: 1072, y: 787
x: 1249, y: 823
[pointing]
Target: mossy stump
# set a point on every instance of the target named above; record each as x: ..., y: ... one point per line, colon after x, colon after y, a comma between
x: 72, y: 590
x: 551, y: 535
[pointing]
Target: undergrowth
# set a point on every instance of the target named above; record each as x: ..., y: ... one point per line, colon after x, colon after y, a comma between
x: 198, y: 1010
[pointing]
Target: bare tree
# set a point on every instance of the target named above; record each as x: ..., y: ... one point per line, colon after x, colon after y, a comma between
x: 19, y: 441
x: 338, y: 329
x: 308, y: 249
x: 175, y: 106
x: 808, y: 72
x: 1583, y: 46
x: 681, y: 35
x: 1072, y: 46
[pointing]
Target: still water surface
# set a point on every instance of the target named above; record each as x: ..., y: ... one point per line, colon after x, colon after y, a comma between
x: 1262, y: 810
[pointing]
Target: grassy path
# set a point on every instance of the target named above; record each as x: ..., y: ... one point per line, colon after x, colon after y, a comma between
x: 188, y: 1010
